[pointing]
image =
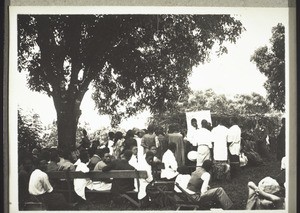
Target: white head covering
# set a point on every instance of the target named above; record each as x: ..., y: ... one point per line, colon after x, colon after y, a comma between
x: 269, y: 185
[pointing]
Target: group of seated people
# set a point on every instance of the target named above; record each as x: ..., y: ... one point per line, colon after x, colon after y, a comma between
x: 138, y: 150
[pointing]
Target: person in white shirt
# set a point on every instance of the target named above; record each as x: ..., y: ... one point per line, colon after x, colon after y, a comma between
x: 219, y: 134
x: 40, y: 187
x: 169, y: 160
x: 81, y: 183
x: 134, y: 160
x: 145, y: 165
x: 192, y: 133
x: 203, y: 141
x: 183, y: 179
x: 234, y: 146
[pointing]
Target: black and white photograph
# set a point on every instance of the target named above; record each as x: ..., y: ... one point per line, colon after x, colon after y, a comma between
x: 149, y: 108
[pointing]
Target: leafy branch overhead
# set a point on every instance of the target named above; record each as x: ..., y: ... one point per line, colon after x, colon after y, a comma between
x: 132, y: 61
x: 147, y: 57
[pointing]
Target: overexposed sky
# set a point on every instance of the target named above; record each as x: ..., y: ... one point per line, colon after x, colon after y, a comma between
x: 229, y: 74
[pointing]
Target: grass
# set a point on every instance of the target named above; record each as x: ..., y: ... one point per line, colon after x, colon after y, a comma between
x: 236, y: 188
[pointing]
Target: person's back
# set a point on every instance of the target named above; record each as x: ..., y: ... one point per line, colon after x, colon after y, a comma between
x: 124, y: 184
x: 219, y: 134
x: 24, y: 176
x: 169, y: 160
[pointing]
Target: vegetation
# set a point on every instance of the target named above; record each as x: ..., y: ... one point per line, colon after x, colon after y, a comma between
x: 133, y: 61
x: 271, y: 62
x: 249, y: 111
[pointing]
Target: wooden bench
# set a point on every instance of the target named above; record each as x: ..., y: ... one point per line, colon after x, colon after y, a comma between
x: 69, y: 176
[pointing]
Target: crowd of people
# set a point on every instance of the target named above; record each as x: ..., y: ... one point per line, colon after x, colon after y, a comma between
x: 190, y: 160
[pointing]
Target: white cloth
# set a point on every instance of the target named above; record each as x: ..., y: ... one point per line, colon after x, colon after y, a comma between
x: 283, y: 163
x: 140, y: 153
x: 39, y: 183
x: 144, y: 166
x: 234, y: 137
x: 81, y: 183
x: 170, y: 170
x: 269, y: 185
x: 206, y: 178
x: 219, y: 134
x: 192, y: 136
x: 183, y: 181
x: 110, y: 145
x: 199, y: 116
x: 133, y: 161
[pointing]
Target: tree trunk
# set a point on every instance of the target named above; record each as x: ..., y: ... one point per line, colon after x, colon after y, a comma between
x: 68, y: 114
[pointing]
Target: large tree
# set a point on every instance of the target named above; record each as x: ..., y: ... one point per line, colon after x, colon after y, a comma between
x: 133, y: 61
x: 271, y: 62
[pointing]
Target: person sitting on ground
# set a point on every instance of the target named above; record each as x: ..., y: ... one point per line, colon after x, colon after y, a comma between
x: 121, y: 185
x: 199, y: 189
x: 169, y: 160
x: 40, y: 187
x: 264, y: 195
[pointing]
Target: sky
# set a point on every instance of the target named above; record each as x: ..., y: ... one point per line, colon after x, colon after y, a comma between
x: 229, y: 74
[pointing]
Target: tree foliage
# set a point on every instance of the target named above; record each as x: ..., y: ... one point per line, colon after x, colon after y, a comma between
x: 133, y: 61
x: 247, y: 109
x: 29, y: 132
x: 271, y: 62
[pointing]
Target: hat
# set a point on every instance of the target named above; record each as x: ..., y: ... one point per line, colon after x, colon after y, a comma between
x: 269, y: 185
x: 192, y: 155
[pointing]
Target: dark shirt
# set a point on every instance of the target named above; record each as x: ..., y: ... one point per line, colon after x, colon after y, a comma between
x: 24, y: 177
x: 124, y: 184
x: 129, y: 142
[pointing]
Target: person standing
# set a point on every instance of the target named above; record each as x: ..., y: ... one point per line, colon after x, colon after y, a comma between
x: 234, y: 147
x: 219, y: 135
x: 148, y: 139
x: 175, y: 137
x: 220, y: 152
x: 203, y: 141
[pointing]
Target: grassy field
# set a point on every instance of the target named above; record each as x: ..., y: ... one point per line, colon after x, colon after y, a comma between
x: 236, y: 188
